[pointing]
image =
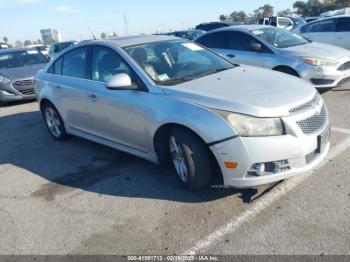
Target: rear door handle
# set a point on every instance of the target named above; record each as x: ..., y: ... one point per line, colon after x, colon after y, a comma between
x: 92, y: 97
x: 231, y: 55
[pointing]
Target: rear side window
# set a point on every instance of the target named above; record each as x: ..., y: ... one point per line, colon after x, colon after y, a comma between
x: 215, y: 40
x: 343, y: 25
x: 74, y: 63
x: 284, y: 21
x: 57, y: 70
x: 319, y: 27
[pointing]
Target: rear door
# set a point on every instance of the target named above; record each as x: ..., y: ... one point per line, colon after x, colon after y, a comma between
x: 342, y: 32
x: 70, y: 89
x: 320, y: 31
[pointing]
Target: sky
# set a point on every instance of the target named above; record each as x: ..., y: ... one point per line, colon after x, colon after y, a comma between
x: 23, y: 19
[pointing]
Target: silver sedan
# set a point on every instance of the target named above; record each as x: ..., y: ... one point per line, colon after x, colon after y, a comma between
x: 324, y: 66
x: 162, y: 98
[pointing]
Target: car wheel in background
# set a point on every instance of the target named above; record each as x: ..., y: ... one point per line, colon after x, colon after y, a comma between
x: 191, y: 158
x: 54, y: 122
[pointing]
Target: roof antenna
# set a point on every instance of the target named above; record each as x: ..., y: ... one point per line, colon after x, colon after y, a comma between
x: 92, y: 33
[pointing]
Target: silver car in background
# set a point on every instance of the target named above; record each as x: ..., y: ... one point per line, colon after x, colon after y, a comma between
x: 324, y: 66
x: 18, y: 66
x: 331, y: 30
x: 164, y: 98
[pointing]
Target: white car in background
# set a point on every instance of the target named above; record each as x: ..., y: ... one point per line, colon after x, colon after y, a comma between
x: 332, y: 30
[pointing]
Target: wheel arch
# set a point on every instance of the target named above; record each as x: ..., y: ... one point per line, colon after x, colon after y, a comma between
x: 281, y: 67
x: 160, y: 144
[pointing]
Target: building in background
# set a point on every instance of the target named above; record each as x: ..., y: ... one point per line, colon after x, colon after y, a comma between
x: 50, y: 36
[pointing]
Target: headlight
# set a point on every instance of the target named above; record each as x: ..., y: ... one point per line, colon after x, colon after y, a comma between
x: 319, y: 61
x: 253, y: 126
x: 4, y: 80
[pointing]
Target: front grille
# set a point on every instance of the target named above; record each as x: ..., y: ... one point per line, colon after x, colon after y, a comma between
x: 27, y: 92
x: 307, y: 106
x: 315, y: 123
x: 345, y: 66
x: 322, y: 82
x: 25, y: 87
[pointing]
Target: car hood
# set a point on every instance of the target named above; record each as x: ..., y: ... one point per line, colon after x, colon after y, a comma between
x: 22, y: 72
x: 246, y: 90
x: 317, y: 50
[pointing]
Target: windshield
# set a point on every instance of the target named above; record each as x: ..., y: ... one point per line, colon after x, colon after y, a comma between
x: 279, y: 38
x: 196, y: 34
x: 174, y: 62
x: 299, y: 21
x: 42, y: 48
x: 21, y: 58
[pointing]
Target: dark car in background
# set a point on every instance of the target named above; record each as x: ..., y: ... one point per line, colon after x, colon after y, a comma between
x: 18, y: 66
x: 58, y: 47
x: 187, y: 34
x: 215, y: 25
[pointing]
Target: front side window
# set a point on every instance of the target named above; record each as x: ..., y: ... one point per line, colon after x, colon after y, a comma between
x: 343, y: 25
x: 74, y: 63
x: 240, y: 41
x: 21, y: 58
x: 174, y: 62
x: 279, y: 38
x: 107, y: 63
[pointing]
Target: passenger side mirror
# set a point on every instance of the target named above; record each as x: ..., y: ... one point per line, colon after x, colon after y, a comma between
x: 120, y: 82
x: 255, y: 47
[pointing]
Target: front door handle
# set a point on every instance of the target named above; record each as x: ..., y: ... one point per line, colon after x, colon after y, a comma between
x: 58, y: 87
x: 92, y: 97
x: 231, y: 55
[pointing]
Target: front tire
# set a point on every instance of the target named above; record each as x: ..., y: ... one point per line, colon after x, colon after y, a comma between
x: 54, y: 122
x: 191, y: 159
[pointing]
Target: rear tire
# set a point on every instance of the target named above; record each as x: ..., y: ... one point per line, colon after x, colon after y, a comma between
x: 191, y: 159
x: 287, y: 70
x: 54, y: 122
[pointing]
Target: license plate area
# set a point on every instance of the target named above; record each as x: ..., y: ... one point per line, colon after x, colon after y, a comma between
x: 322, y: 140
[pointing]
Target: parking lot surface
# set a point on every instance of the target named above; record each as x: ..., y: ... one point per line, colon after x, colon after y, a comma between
x: 78, y: 197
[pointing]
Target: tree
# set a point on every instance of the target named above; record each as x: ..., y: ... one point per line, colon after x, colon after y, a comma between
x: 5, y: 39
x: 264, y: 11
x: 18, y: 44
x: 114, y: 34
x: 223, y: 18
x: 103, y: 35
x: 238, y: 16
x: 39, y: 41
x: 27, y: 42
x: 316, y: 7
x: 286, y: 12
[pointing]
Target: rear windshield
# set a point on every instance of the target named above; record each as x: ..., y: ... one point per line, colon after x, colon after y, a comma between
x: 21, y: 58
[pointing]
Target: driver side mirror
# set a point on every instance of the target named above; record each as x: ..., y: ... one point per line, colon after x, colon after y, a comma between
x: 120, y: 82
x: 255, y: 47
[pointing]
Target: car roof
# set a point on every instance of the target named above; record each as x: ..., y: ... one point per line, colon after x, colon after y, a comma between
x: 139, y: 40
x: 242, y: 28
x: 10, y: 50
x: 327, y: 18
